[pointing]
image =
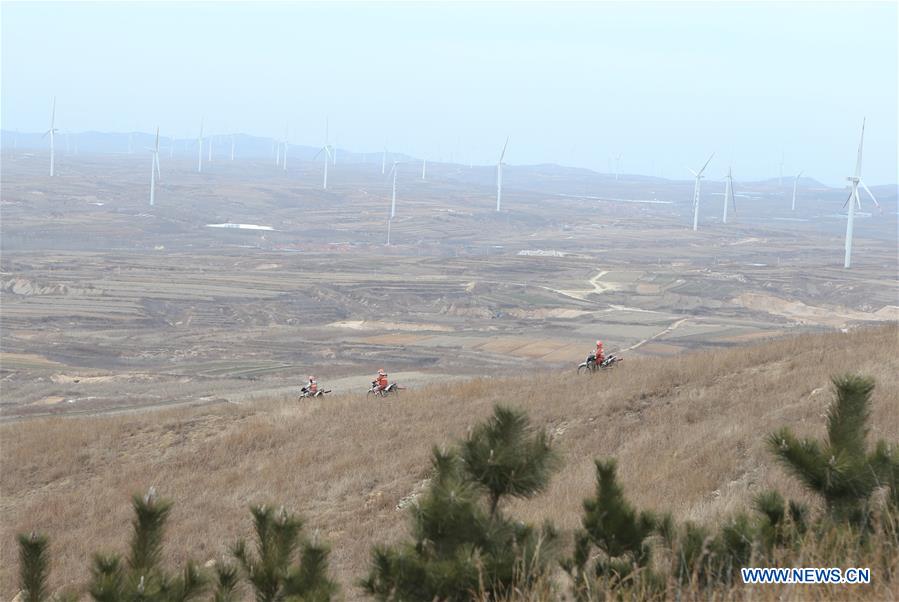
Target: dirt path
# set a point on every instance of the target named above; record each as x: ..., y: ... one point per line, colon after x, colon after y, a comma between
x: 581, y: 295
x: 346, y: 385
x: 661, y: 333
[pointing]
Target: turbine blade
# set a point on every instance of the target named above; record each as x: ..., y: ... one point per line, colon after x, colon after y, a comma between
x: 706, y: 164
x: 693, y: 172
x: 849, y: 198
x: 503, y: 154
x: 870, y: 194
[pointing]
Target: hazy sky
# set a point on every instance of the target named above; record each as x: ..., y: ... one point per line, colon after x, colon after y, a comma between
x: 664, y: 84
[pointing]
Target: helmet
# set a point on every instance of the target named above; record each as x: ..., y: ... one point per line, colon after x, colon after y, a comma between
x: 311, y: 378
x: 381, y: 372
x: 599, y: 343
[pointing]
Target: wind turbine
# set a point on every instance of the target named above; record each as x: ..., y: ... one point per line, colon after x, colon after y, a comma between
x: 424, y: 168
x: 854, y: 199
x: 284, y: 163
x: 327, y: 150
x: 795, y: 185
x: 696, y: 188
x: 52, y: 133
x: 729, y: 192
x: 154, y: 169
x: 617, y: 165
x: 276, y: 146
x: 393, y: 194
x: 384, y: 162
x: 200, y: 149
x: 499, y: 176
x: 232, y: 147
x: 209, y: 146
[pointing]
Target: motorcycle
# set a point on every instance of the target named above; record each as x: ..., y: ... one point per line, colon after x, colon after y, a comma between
x: 305, y: 393
x: 590, y: 365
x: 376, y: 391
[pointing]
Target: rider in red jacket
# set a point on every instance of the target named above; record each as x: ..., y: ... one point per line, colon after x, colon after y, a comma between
x: 598, y: 356
x: 381, y: 379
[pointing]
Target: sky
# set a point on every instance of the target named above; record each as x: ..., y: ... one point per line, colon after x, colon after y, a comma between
x: 663, y: 84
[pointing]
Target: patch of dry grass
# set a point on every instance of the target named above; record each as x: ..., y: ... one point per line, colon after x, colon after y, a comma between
x: 688, y: 432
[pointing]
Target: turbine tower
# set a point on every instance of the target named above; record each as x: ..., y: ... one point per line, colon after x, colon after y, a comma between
x: 200, y: 149
x: 232, y: 147
x: 729, y: 192
x: 499, y: 176
x: 384, y: 162
x: 327, y: 150
x: 154, y: 169
x: 854, y: 199
x: 52, y: 133
x: 617, y: 165
x: 795, y: 186
x: 284, y: 163
x: 393, y: 194
x: 424, y: 168
x: 696, y: 188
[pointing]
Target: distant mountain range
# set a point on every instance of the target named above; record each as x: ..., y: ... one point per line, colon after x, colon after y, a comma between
x: 256, y: 147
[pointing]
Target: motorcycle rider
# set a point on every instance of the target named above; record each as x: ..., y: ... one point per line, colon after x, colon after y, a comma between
x: 381, y: 380
x: 312, y: 386
x: 597, y: 356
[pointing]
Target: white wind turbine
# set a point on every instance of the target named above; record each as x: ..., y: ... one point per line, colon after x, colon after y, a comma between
x: 232, y: 147
x: 729, y: 192
x: 617, y: 165
x: 286, y: 143
x: 499, y: 176
x: 276, y: 147
x: 795, y: 186
x: 854, y: 199
x: 424, y: 168
x: 154, y: 169
x: 200, y: 149
x: 384, y: 162
x: 327, y: 150
x: 209, y: 147
x: 52, y: 133
x: 696, y: 188
x: 393, y: 194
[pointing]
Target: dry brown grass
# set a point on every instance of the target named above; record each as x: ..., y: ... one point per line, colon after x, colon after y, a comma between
x: 688, y: 432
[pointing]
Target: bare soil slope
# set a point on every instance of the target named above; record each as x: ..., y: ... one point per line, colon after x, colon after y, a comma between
x: 688, y: 432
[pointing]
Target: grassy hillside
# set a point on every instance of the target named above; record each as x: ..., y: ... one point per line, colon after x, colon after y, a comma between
x: 688, y: 433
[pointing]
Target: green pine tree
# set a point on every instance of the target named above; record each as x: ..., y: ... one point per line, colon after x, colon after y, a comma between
x: 617, y: 530
x: 272, y: 570
x: 141, y: 577
x: 34, y: 567
x: 839, y: 469
x: 463, y: 545
x: 507, y: 458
